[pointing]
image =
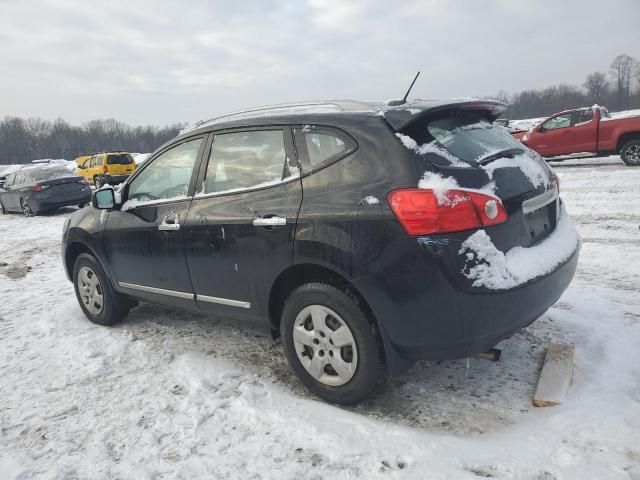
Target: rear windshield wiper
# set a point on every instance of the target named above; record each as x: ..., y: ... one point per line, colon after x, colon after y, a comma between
x: 507, y: 152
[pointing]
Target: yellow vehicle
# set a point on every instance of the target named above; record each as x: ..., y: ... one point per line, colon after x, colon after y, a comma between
x: 107, y: 167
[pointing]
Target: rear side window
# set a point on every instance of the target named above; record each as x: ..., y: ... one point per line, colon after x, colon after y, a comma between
x: 119, y: 159
x: 48, y: 173
x: 323, y: 147
x: 583, y: 116
x: 241, y: 160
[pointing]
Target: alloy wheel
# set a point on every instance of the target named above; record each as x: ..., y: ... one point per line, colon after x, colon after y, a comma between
x: 632, y: 154
x: 325, y: 345
x: 90, y: 290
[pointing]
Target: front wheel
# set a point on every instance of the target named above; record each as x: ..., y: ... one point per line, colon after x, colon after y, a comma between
x: 330, y: 344
x: 97, y: 183
x: 630, y: 153
x: 100, y: 303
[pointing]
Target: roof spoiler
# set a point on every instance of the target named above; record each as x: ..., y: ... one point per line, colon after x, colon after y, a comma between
x: 403, y: 116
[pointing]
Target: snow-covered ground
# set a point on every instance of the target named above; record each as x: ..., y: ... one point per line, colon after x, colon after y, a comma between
x: 169, y: 394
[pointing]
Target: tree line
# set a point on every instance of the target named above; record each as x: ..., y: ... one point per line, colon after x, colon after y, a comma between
x: 614, y: 90
x: 24, y: 140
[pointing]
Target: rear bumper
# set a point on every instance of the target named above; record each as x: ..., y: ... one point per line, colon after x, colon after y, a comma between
x: 40, y: 203
x: 113, y: 179
x: 425, y: 316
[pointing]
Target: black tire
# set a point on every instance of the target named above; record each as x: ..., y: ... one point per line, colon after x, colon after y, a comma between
x: 630, y: 153
x: 2, y: 210
x: 369, y: 369
x: 114, y: 307
x: 82, y: 205
x: 97, y: 183
x: 26, y: 208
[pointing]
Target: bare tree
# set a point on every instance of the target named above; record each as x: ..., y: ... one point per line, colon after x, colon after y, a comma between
x: 596, y: 86
x: 621, y: 70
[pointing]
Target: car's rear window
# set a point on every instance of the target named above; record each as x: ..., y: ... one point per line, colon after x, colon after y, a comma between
x: 48, y: 173
x: 469, y: 136
x: 119, y: 159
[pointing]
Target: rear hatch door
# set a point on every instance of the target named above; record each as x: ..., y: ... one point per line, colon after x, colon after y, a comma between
x: 463, y: 143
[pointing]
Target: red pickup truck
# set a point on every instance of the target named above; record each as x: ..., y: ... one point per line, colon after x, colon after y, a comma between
x: 588, y: 130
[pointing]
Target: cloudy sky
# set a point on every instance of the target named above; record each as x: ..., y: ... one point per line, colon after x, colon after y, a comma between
x: 159, y: 62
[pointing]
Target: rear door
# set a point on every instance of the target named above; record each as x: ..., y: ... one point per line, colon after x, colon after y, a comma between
x: 144, y: 240
x: 555, y: 136
x: 241, y: 225
x: 585, y: 129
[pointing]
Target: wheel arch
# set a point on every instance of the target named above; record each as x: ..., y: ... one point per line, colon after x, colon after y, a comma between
x: 626, y: 137
x: 73, y: 251
x: 299, y: 274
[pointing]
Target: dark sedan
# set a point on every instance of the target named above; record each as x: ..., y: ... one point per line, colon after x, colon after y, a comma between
x: 37, y: 189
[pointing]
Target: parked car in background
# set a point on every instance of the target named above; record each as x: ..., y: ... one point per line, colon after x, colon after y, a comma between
x: 587, y: 130
x: 35, y: 189
x: 107, y: 167
x: 395, y: 252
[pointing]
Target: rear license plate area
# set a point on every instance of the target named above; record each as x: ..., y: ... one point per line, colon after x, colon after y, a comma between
x: 541, y: 222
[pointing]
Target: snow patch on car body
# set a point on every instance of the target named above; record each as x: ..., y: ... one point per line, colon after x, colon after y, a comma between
x: 134, y: 202
x: 499, y: 271
x: 533, y: 170
x: 431, y: 147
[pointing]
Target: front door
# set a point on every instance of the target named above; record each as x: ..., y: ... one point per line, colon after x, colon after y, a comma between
x: 241, y: 225
x: 555, y: 136
x: 144, y: 240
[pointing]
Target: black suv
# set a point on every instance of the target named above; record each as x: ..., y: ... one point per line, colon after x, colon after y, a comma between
x: 369, y: 236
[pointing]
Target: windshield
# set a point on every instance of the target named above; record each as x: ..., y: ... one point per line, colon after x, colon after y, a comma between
x: 119, y: 159
x: 470, y: 137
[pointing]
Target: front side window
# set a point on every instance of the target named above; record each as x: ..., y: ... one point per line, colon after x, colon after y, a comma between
x: 92, y: 162
x: 561, y: 121
x: 168, y: 175
x: 241, y: 160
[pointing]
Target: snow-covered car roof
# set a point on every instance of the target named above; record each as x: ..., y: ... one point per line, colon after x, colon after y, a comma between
x: 399, y: 116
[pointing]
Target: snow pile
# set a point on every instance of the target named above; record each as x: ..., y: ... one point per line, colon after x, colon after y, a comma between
x: 139, y: 158
x: 498, y: 271
x: 430, y: 147
x: 439, y: 184
x: 370, y: 200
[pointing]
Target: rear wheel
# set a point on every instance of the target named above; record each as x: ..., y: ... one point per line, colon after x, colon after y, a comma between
x: 100, y: 303
x: 26, y: 209
x: 630, y: 153
x: 330, y: 344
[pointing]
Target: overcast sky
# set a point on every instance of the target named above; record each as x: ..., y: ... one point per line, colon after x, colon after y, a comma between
x: 158, y: 62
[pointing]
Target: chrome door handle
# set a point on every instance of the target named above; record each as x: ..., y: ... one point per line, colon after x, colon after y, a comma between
x: 269, y: 222
x: 170, y: 223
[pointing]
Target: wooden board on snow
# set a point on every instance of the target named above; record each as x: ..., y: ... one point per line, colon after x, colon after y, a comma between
x: 555, y: 376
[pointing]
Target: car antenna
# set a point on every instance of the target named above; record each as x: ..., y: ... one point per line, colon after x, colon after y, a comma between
x: 393, y: 103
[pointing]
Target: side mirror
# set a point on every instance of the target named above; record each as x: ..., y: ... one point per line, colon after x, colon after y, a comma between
x: 104, y: 199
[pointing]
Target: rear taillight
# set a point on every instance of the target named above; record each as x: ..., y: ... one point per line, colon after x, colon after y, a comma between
x: 38, y: 188
x: 424, y: 212
x: 105, y: 169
